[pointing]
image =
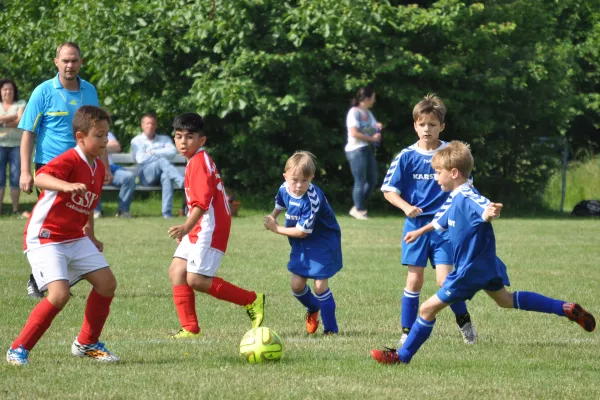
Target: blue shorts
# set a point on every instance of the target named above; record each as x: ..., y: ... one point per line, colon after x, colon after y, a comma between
x: 463, y: 283
x: 322, y: 265
x: 431, y: 246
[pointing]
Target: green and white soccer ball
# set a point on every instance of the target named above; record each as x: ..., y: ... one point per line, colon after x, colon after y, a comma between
x: 261, y: 344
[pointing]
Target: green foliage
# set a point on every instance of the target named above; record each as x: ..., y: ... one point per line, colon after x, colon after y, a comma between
x: 272, y: 77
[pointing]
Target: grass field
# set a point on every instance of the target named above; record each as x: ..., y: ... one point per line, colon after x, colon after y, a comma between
x: 519, y: 355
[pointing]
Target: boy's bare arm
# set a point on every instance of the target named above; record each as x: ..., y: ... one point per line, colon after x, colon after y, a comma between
x: 271, y: 224
x: 49, y: 182
x: 492, y: 211
x: 88, y: 230
x: 397, y: 201
x: 414, y: 235
x: 179, y: 231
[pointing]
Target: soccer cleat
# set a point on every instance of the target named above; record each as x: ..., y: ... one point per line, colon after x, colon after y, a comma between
x: 98, y: 214
x: 468, y: 333
x: 256, y: 310
x: 183, y: 334
x: 402, y: 339
x: 32, y: 289
x: 312, y: 322
x: 97, y: 351
x: 329, y: 333
x: 18, y: 356
x: 578, y: 314
x: 387, y: 356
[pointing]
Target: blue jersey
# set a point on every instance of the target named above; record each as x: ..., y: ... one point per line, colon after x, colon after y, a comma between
x: 411, y: 176
x: 49, y: 114
x: 318, y: 255
x: 472, y: 239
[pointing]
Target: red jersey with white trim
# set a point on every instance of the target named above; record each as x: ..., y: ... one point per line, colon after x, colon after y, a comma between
x: 60, y: 217
x: 204, y: 189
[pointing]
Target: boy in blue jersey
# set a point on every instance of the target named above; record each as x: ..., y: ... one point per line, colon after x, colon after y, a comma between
x: 466, y: 216
x: 315, y: 238
x: 410, y: 185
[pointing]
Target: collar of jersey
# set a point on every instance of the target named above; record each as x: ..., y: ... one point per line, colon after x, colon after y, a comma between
x: 464, y: 186
x: 58, y: 85
x: 428, y: 152
x: 80, y: 152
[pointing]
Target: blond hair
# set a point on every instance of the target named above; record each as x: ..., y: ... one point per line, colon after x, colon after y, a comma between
x: 304, y: 161
x: 455, y: 155
x: 431, y: 105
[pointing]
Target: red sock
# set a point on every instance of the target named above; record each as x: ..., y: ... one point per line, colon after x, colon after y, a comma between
x: 224, y: 290
x: 39, y: 320
x: 96, y: 313
x: 185, y: 304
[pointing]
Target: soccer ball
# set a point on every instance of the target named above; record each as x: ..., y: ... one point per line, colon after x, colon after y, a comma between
x: 261, y: 344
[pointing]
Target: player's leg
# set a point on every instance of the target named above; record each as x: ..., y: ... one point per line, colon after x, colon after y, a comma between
x: 410, y: 298
x: 531, y: 301
x: 49, y: 266
x: 463, y: 318
x: 418, y: 335
x: 302, y: 293
x: 86, y: 262
x: 327, y: 302
x: 202, y: 266
x: 183, y: 294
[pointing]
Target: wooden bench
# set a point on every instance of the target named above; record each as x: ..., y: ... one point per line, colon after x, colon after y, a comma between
x: 126, y: 161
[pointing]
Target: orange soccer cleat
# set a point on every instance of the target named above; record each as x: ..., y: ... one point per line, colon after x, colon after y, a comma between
x: 312, y: 322
x: 578, y: 314
x: 387, y: 356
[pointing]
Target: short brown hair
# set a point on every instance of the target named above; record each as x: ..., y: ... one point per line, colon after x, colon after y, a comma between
x: 304, y: 160
x: 86, y: 117
x: 455, y: 155
x: 431, y: 104
x: 68, y: 44
x: 149, y: 115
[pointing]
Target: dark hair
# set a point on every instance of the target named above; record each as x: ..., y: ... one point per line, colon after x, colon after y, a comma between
x: 68, y: 44
x: 86, y: 117
x: 14, y: 85
x: 150, y: 115
x: 189, y: 122
x: 365, y: 92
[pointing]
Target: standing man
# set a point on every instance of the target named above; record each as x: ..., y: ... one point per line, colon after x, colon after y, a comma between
x: 48, y: 120
x: 153, y: 154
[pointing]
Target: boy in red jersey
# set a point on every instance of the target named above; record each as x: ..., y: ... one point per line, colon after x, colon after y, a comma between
x: 60, y: 244
x: 203, y: 237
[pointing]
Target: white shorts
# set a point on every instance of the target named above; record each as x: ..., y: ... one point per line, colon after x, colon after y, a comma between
x: 200, y: 260
x: 65, y: 261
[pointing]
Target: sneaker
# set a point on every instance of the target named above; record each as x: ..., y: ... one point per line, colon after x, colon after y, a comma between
x: 387, y: 356
x: 578, y: 314
x: 184, y: 334
x: 98, y: 214
x: 167, y: 216
x: 123, y: 214
x: 468, y: 333
x: 18, y: 356
x: 32, y: 289
x: 402, y: 339
x: 312, y: 322
x: 97, y: 351
x: 358, y: 214
x: 256, y: 310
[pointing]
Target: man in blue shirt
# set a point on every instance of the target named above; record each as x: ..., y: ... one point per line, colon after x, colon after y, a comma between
x: 466, y: 215
x: 48, y: 119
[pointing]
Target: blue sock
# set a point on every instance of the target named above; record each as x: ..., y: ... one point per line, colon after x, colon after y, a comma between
x: 531, y: 301
x: 410, y: 308
x: 459, y: 308
x: 307, y: 299
x: 418, y: 335
x: 328, y: 311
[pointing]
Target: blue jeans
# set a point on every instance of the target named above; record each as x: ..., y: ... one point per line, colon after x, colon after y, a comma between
x: 364, y: 170
x: 12, y: 156
x: 164, y: 172
x: 126, y: 181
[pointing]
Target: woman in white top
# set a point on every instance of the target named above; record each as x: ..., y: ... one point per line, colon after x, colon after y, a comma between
x: 363, y: 130
x: 11, y: 112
